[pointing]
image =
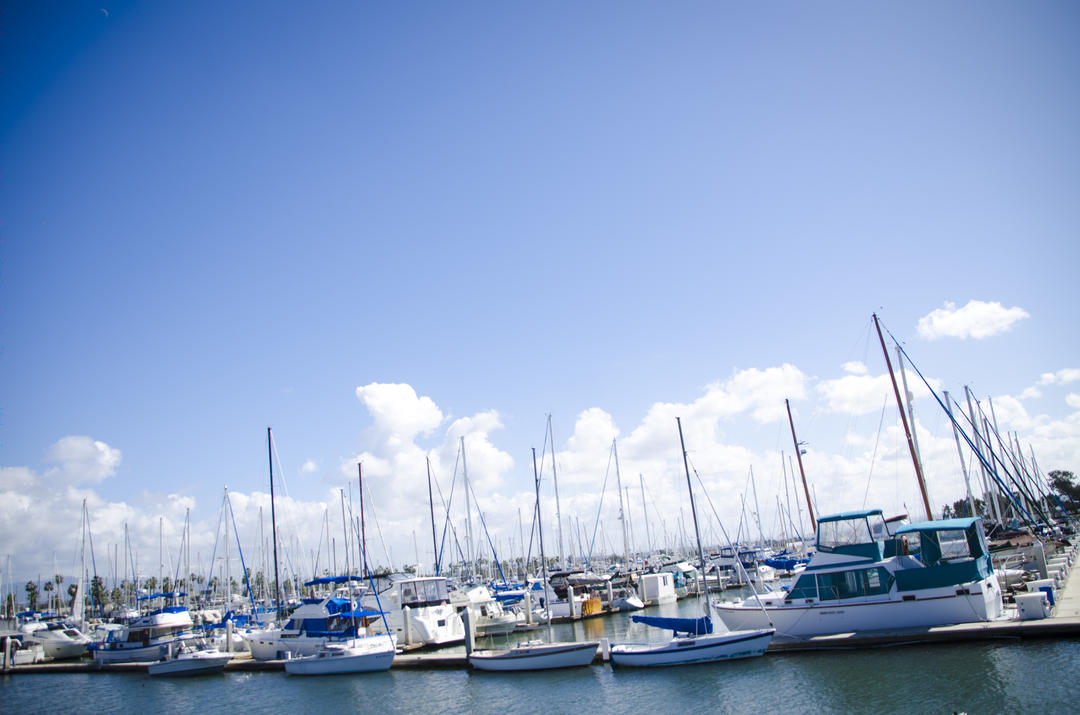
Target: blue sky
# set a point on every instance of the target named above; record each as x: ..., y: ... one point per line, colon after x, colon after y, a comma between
x: 218, y: 218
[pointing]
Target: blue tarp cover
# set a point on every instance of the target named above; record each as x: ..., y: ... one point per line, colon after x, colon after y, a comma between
x: 332, y: 579
x: 939, y: 525
x: 691, y: 626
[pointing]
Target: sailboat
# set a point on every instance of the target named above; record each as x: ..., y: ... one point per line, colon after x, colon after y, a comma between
x: 536, y: 654
x: 693, y: 639
x: 362, y: 654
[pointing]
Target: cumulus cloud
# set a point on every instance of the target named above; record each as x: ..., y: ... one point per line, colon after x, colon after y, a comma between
x: 855, y: 367
x: 309, y: 467
x: 727, y: 429
x: 81, y: 460
x: 977, y: 319
x: 398, y: 411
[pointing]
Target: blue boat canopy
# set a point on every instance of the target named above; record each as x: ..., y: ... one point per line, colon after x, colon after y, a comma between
x: 332, y: 579
x: 844, y: 516
x: 166, y: 594
x: 689, y: 626
x: 942, y: 525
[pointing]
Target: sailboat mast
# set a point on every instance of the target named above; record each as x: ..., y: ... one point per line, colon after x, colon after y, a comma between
x: 468, y: 513
x: 693, y: 509
x: 540, y: 529
x: 363, y: 530
x: 555, y: 481
x: 273, y: 521
x: 645, y: 513
x: 622, y: 511
x: 431, y: 505
x: 798, y: 455
x: 904, y: 420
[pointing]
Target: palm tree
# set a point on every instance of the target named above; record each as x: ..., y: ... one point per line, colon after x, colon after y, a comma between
x: 31, y: 595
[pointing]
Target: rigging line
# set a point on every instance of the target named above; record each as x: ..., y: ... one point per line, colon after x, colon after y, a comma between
x: 213, y: 553
x: 603, y: 489
x: 483, y: 523
x: 290, y: 517
x: 967, y: 439
x: 734, y: 548
x: 873, y: 457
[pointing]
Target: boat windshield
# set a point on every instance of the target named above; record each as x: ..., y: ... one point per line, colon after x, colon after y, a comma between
x: 844, y: 532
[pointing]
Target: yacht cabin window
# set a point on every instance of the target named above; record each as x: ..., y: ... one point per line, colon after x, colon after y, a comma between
x: 848, y: 532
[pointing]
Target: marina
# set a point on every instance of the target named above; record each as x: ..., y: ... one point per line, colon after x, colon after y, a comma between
x: 1064, y: 624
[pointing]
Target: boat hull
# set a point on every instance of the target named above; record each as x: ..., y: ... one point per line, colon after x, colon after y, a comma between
x: 695, y: 649
x: 966, y: 603
x: 338, y: 660
x: 196, y: 664
x: 545, y: 656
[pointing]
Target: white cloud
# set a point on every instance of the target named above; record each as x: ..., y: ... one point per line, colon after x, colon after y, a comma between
x: 725, y: 437
x: 855, y: 367
x: 81, y: 460
x: 309, y: 467
x: 977, y: 319
x: 398, y: 411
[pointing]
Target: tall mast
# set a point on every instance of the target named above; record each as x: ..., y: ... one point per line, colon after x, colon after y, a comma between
x: 555, y: 480
x: 273, y: 521
x: 468, y: 514
x: 693, y: 511
x: 645, y: 513
x: 960, y: 453
x: 910, y: 399
x: 228, y: 561
x: 363, y: 531
x: 798, y: 455
x: 622, y: 511
x: 989, y: 494
x: 904, y: 420
x: 540, y: 529
x: 431, y: 504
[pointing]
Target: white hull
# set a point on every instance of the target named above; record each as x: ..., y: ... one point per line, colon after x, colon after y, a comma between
x: 116, y: 653
x: 363, y: 655
x: 930, y: 607
x: 272, y: 646
x: 540, y: 656
x: 694, y: 649
x: 194, y: 663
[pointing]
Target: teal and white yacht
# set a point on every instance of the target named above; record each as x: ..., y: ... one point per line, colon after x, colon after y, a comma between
x: 866, y: 577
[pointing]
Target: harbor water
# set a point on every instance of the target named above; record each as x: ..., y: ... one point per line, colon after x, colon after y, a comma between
x: 1037, y: 676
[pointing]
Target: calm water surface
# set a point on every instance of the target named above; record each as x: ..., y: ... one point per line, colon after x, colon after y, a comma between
x: 992, y: 677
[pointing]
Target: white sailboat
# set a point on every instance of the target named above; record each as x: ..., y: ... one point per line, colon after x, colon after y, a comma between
x: 693, y: 640
x: 366, y: 654
x: 536, y: 655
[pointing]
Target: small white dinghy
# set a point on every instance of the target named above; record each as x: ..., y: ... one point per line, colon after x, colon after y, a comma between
x: 535, y: 655
x: 356, y: 655
x: 190, y: 661
x: 692, y: 642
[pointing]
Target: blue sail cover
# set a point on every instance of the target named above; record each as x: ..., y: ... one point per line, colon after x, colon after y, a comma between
x: 689, y: 626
